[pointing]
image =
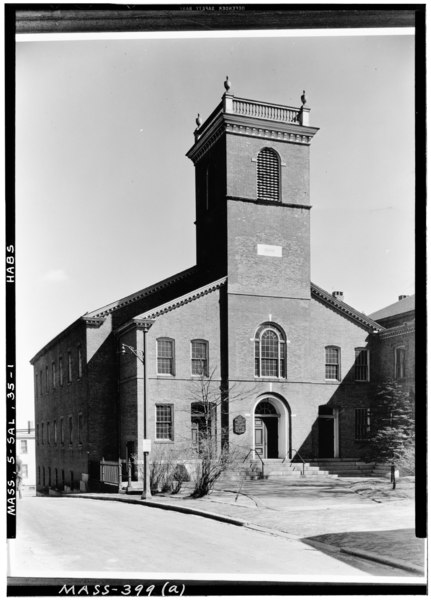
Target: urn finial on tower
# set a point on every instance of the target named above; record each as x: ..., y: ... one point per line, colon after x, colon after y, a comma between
x: 303, y: 98
x: 198, y: 120
x: 227, y: 84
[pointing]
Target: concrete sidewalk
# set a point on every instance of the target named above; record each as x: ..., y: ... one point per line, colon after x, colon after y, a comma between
x: 328, y: 514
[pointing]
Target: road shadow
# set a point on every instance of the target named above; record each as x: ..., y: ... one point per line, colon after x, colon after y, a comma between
x: 398, y: 544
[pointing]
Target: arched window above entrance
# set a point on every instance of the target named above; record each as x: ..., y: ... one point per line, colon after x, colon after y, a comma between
x: 265, y: 408
x: 270, y: 351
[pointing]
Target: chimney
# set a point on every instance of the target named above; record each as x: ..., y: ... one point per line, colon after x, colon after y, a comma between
x: 402, y: 297
x: 338, y: 295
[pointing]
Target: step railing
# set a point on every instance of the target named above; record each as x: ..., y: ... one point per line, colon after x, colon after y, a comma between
x: 303, y: 461
x: 259, y: 457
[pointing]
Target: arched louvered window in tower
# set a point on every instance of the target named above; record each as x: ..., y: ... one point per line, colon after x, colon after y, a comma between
x: 268, y: 175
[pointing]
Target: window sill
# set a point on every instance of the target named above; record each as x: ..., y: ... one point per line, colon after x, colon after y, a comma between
x: 164, y: 441
x: 165, y: 376
x: 333, y: 380
x: 269, y: 378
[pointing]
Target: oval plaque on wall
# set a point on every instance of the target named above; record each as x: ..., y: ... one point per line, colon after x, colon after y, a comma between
x: 239, y: 424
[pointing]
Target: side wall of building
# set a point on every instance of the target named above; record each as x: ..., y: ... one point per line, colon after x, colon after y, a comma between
x: 61, y: 410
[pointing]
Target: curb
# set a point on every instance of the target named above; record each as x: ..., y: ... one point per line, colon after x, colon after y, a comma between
x: 381, y: 558
x: 386, y: 560
x: 162, y: 505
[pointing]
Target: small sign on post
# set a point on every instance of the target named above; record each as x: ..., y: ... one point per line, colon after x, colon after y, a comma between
x: 146, y: 445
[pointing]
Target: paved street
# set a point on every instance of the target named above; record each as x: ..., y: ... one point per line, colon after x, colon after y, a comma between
x: 65, y: 535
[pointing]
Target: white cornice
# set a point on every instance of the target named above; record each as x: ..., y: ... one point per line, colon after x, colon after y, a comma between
x: 342, y: 307
x: 186, y: 299
x: 251, y: 126
x: 404, y: 329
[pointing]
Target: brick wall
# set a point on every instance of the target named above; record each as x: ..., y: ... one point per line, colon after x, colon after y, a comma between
x: 309, y: 327
x: 59, y: 402
x: 242, y: 152
x: 275, y: 225
x: 198, y: 319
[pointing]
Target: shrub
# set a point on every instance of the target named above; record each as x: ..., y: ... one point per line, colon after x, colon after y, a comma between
x: 167, y: 472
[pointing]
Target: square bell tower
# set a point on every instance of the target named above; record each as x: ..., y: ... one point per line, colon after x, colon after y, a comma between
x: 253, y: 197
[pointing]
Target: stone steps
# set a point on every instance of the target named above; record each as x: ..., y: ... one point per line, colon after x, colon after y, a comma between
x: 346, y: 467
x: 274, y: 469
x: 277, y: 468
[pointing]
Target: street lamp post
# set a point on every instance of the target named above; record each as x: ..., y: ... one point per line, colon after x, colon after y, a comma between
x: 145, y: 325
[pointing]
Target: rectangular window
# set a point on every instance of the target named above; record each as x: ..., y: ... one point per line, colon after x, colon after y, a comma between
x: 362, y: 423
x: 199, y: 357
x: 41, y: 381
x: 55, y: 432
x: 36, y: 385
x: 24, y: 471
x: 361, y: 364
x: 54, y: 376
x: 69, y: 367
x: 400, y: 362
x: 164, y: 422
x: 48, y: 433
x: 42, y: 434
x: 79, y: 362
x: 332, y: 363
x: 70, y: 420
x: 80, y: 428
x: 62, y: 430
x: 60, y: 369
x: 24, y: 449
x: 165, y: 357
x: 37, y: 434
x: 47, y: 378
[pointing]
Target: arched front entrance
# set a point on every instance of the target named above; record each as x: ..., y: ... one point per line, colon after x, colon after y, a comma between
x: 272, y: 428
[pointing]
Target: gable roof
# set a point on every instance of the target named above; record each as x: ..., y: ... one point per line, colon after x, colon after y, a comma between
x: 161, y: 309
x: 145, y: 292
x: 344, y: 308
x: 404, y: 305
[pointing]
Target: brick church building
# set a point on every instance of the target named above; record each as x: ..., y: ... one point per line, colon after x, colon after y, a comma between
x: 294, y: 363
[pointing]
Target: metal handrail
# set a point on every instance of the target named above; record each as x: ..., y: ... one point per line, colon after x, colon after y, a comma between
x: 259, y: 457
x: 303, y: 461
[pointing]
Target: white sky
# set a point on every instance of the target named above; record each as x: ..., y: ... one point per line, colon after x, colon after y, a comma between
x: 105, y: 193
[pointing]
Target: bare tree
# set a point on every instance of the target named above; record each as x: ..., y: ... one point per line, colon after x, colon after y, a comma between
x: 210, y: 436
x: 206, y: 449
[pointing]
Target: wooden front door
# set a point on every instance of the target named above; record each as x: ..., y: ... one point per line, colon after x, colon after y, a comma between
x: 260, y: 437
x: 266, y: 436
